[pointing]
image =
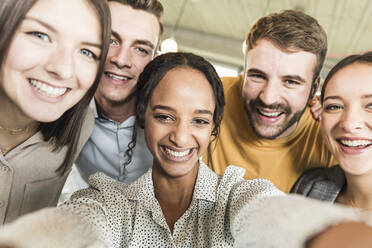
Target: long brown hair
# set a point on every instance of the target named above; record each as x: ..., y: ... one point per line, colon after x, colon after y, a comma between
x: 65, y: 131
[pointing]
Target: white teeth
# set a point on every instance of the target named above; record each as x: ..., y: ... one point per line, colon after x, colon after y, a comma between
x: 272, y: 114
x: 355, y: 142
x: 177, y: 154
x: 46, y: 89
x: 116, y: 77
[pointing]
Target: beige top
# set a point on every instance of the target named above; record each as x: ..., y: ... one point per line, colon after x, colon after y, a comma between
x: 130, y: 215
x: 28, y: 178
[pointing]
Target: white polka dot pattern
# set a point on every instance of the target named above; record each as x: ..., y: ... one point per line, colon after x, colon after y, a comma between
x: 130, y: 216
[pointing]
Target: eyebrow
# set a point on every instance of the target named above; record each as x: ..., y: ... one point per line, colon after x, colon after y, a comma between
x: 331, y: 98
x: 339, y: 98
x: 47, y: 26
x: 295, y: 77
x: 254, y: 70
x: 292, y: 77
x: 42, y: 23
x: 199, y: 111
x: 138, y: 41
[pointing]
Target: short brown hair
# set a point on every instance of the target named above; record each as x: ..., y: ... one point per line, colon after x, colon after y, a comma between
x: 151, y: 6
x: 291, y: 30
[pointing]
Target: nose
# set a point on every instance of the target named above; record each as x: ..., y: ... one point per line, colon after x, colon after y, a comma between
x: 121, y: 57
x: 351, y: 119
x: 60, y: 63
x: 270, y: 93
x: 180, y: 135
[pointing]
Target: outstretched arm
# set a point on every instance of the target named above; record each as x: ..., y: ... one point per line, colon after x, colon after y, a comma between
x: 289, y: 221
x: 49, y: 227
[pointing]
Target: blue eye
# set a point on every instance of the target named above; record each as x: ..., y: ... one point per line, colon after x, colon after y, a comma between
x: 114, y: 42
x: 257, y: 76
x: 142, y: 51
x: 291, y: 82
x: 88, y: 53
x: 39, y: 35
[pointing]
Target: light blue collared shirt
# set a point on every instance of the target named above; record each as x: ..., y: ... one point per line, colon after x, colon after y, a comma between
x: 105, y: 150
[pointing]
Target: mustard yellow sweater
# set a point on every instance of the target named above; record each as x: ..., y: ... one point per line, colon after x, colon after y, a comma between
x: 281, y: 161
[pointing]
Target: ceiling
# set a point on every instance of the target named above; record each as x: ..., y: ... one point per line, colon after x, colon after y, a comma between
x: 216, y: 29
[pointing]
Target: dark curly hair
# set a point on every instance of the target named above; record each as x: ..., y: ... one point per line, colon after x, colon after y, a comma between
x: 156, y: 70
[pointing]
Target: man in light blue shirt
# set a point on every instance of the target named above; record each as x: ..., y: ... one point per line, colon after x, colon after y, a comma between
x: 136, y: 29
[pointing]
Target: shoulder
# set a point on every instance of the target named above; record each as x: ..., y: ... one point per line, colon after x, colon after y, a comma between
x: 260, y: 187
x: 87, y: 128
x: 319, y: 181
x: 231, y: 82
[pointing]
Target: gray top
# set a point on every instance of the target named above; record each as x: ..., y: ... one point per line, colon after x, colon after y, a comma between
x: 105, y: 150
x: 321, y: 183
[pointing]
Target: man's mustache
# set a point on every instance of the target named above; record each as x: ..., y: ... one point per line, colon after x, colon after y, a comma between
x: 280, y: 107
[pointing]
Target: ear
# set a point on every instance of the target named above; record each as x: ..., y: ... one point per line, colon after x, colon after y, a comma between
x: 315, y: 87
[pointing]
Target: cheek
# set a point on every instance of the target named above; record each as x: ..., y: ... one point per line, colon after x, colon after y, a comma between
x: 204, y: 138
x: 251, y: 90
x: 113, y: 50
x: 86, y: 74
x: 327, y: 125
x: 298, y: 99
x: 142, y: 62
x: 21, y: 56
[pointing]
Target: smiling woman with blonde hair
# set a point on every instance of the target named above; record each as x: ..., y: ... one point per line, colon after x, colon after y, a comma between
x: 51, y: 57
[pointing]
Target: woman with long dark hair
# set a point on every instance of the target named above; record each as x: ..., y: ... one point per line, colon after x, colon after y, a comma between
x: 347, y: 129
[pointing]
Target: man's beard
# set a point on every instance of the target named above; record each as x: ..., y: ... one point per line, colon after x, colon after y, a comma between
x: 119, y: 102
x: 252, y: 106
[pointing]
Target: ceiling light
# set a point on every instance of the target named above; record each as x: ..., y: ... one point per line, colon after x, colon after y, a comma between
x: 169, y: 45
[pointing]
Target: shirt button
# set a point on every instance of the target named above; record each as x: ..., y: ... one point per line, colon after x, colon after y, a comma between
x: 4, y: 168
x: 2, y: 203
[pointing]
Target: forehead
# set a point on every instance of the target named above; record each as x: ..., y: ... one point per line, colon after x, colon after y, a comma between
x: 272, y: 60
x: 70, y: 18
x: 184, y: 85
x: 134, y: 24
x: 352, y: 81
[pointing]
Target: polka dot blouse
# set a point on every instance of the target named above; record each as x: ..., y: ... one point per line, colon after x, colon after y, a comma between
x: 130, y: 216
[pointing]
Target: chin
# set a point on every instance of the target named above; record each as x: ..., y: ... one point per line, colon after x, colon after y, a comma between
x: 356, y: 168
x: 46, y: 117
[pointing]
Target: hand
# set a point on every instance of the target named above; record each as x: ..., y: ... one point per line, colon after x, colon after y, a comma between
x: 315, y: 108
x: 348, y: 234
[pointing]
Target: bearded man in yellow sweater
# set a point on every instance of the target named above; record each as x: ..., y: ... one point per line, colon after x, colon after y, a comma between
x: 267, y: 127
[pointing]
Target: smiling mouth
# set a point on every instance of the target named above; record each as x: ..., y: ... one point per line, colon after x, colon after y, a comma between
x: 270, y: 114
x: 355, y: 143
x: 177, y: 156
x: 47, y: 90
x: 117, y: 77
